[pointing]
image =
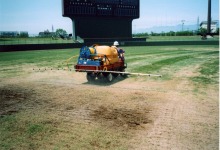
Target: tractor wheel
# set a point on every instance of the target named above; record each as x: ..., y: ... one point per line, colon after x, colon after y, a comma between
x: 115, y: 75
x: 109, y: 77
x: 90, y: 76
x: 122, y: 74
x: 100, y: 76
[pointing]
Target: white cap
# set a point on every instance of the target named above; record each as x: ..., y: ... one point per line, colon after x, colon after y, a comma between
x: 116, y: 43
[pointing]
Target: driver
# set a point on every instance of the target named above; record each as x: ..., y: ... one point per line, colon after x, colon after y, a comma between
x: 120, y: 51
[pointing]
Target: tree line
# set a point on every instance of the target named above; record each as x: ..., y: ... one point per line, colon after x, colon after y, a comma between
x: 201, y: 31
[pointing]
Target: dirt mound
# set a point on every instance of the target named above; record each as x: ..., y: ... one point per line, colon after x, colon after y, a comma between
x: 121, y: 117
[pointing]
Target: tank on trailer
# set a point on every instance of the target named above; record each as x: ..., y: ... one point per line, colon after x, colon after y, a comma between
x: 100, y: 61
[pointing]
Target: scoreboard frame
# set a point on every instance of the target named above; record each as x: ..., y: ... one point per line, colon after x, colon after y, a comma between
x: 101, y: 8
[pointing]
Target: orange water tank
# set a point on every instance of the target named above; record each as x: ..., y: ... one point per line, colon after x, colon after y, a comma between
x: 110, y: 52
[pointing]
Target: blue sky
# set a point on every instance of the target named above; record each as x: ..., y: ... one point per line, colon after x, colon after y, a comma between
x: 35, y: 16
x: 171, y: 12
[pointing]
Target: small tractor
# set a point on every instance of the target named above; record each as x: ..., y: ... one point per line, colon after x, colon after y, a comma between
x: 101, y: 61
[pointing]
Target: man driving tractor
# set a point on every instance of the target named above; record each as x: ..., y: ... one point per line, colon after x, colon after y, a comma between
x: 120, y: 51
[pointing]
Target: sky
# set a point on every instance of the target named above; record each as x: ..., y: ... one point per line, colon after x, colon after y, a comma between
x: 36, y: 16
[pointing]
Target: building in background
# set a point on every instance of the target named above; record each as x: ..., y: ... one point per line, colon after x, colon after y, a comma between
x: 46, y: 33
x: 7, y: 34
x: 101, y: 19
x: 214, y: 25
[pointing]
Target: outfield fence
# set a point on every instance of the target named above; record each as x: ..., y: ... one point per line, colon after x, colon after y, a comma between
x: 27, y: 47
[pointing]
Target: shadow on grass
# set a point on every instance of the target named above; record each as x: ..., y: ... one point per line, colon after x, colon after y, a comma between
x: 103, y: 81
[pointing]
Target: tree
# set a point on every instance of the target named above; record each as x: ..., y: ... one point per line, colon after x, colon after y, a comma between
x: 202, y: 31
x: 171, y: 33
x: 23, y: 34
x: 140, y: 34
x: 61, y: 32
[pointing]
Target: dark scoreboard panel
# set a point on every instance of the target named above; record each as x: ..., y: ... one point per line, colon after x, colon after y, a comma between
x: 101, y: 8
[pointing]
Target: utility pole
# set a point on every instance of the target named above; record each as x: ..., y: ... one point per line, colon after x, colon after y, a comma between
x: 209, y: 18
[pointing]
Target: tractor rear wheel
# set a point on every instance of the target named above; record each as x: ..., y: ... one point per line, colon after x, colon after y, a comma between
x: 123, y: 74
x: 109, y: 77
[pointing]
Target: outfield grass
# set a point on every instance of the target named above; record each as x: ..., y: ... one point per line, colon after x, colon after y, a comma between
x: 164, y: 60
x: 32, y: 40
x: 178, y: 38
x: 168, y: 60
x: 32, y: 132
x: 14, y: 63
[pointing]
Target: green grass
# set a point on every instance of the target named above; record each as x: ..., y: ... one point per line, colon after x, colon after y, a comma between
x: 34, y: 40
x: 43, y: 56
x: 164, y: 60
x: 177, y: 38
x: 19, y: 132
x: 156, y: 66
x: 208, y: 73
x: 168, y: 60
x: 31, y: 40
x: 23, y: 133
x: 15, y: 63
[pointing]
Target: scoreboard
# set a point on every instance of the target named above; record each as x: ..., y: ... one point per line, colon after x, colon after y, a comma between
x: 101, y: 8
x: 101, y: 19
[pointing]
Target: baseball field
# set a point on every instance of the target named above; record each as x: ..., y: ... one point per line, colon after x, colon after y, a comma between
x: 45, y: 105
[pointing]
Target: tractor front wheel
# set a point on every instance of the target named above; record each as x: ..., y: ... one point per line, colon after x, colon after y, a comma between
x: 90, y: 76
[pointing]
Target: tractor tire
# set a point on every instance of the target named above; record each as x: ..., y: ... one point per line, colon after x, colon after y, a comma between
x: 100, y: 76
x: 122, y: 74
x: 115, y: 75
x: 109, y: 77
x: 90, y: 77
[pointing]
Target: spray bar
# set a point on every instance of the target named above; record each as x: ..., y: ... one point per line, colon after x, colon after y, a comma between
x: 102, y: 71
x: 127, y: 73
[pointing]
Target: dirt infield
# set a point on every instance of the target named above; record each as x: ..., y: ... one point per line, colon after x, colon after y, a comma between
x: 138, y: 112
